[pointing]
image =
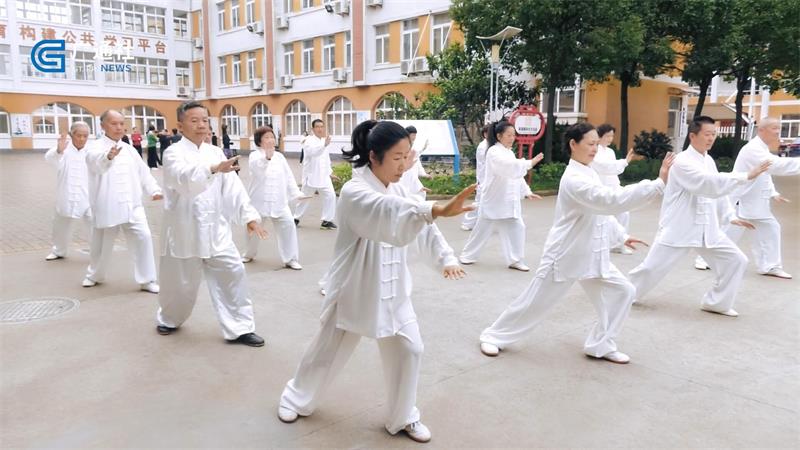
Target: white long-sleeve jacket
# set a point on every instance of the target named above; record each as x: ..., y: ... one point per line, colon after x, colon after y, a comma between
x: 368, y: 284
x: 199, y: 206
x: 116, y: 186
x: 480, y: 161
x: 504, y: 185
x: 696, y: 201
x: 584, y: 230
x: 72, y: 186
x: 317, y: 168
x: 272, y: 185
x: 754, y: 198
x: 608, y: 166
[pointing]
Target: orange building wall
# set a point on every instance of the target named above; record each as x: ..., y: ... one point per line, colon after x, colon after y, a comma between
x: 395, y: 39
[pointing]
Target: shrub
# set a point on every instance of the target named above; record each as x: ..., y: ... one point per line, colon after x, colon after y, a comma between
x: 344, y: 171
x: 724, y: 164
x: 653, y: 144
x: 636, y: 171
x: 550, y: 172
x: 724, y: 147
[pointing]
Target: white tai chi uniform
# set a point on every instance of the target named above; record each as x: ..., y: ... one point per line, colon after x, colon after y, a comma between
x: 272, y: 188
x: 368, y: 294
x: 72, y: 195
x: 116, y: 188
x: 695, y: 206
x: 609, y: 168
x: 410, y: 181
x: 501, y: 206
x: 196, y: 239
x: 577, y: 249
x: 471, y: 217
x: 754, y: 203
x: 317, y: 177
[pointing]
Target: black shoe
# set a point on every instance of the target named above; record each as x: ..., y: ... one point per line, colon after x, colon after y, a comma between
x: 162, y: 330
x: 296, y: 222
x: 251, y: 339
x: 328, y: 225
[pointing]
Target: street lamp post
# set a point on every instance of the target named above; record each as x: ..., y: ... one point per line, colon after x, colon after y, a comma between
x: 497, y: 41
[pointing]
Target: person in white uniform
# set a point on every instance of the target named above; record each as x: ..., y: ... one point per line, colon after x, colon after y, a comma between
x: 471, y: 218
x: 369, y: 284
x: 501, y: 200
x: 272, y: 188
x: 753, y: 200
x: 202, y: 199
x: 414, y: 170
x: 577, y: 250
x: 695, y: 207
x: 609, y: 168
x: 317, y: 173
x: 72, y: 196
x: 118, y: 178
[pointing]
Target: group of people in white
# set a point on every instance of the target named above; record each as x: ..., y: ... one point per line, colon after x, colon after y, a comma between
x: 383, y: 217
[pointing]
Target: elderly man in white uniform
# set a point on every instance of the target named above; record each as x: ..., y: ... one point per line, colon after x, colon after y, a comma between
x: 754, y: 199
x: 118, y: 178
x: 317, y: 173
x: 72, y: 196
x: 202, y: 197
x: 695, y: 207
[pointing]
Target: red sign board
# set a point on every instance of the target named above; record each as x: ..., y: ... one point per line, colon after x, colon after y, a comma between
x: 530, y: 125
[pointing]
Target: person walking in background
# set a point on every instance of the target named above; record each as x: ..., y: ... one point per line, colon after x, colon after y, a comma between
x: 136, y: 140
x: 152, y: 151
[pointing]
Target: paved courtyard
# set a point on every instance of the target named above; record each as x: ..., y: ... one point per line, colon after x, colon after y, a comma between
x: 100, y: 377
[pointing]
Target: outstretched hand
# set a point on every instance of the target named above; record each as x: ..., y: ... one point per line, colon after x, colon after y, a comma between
x: 254, y: 228
x: 781, y: 199
x: 666, y: 163
x: 226, y: 166
x: 455, y: 205
x: 453, y: 272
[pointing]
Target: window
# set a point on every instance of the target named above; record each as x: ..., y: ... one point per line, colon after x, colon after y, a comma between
x: 308, y: 4
x: 250, y: 11
x: 223, y: 71
x: 221, y: 16
x: 393, y: 106
x: 132, y: 17
x: 288, y: 59
x: 341, y: 117
x: 230, y: 117
x: 308, y: 56
x: 143, y: 117
x: 55, y: 118
x: 4, y: 121
x: 328, y: 53
x: 75, y: 12
x: 5, y: 60
x: 234, y: 13
x: 566, y: 102
x: 382, y: 44
x: 251, y: 65
x: 237, y: 69
x: 410, y: 38
x: 790, y: 126
x: 287, y: 6
x: 155, y: 20
x: 180, y: 23
x: 673, y: 115
x: 3, y: 14
x: 144, y: 71
x: 260, y: 116
x: 440, y: 32
x: 182, y: 78
x: 348, y: 50
x: 84, y: 66
x: 298, y: 119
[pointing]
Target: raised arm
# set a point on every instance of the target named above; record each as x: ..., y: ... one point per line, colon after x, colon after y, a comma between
x: 186, y: 177
x: 384, y: 218
x: 599, y: 199
x: 706, y: 184
x: 506, y: 165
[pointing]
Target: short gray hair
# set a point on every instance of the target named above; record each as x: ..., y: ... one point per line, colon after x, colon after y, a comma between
x: 107, y: 112
x: 79, y: 124
x: 767, y: 121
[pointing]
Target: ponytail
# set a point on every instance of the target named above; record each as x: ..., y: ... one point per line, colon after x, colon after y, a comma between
x: 496, y: 128
x: 373, y: 136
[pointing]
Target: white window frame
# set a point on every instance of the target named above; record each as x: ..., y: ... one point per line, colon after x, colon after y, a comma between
x: 382, y: 44
x: 410, y: 39
x: 58, y: 110
x: 180, y: 25
x: 230, y: 117
x: 221, y: 16
x: 306, y: 4
x: 5, y: 123
x: 260, y: 117
x: 251, y: 65
x: 308, y: 56
x: 348, y: 49
x: 155, y: 20
x: 440, y: 32
x: 386, y: 111
x: 64, y: 12
x: 236, y: 68
x: 250, y: 11
x: 792, y: 124
x: 223, y: 71
x: 183, y: 76
x: 235, y: 6
x: 142, y: 116
x: 328, y: 53
x: 5, y: 60
x: 85, y: 61
x: 298, y: 119
x: 341, y: 117
x: 288, y: 59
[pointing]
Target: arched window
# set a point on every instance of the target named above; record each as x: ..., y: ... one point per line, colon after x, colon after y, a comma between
x: 55, y: 118
x: 260, y: 117
x: 298, y: 119
x: 5, y: 122
x: 230, y: 117
x: 392, y: 106
x: 142, y: 117
x: 341, y: 117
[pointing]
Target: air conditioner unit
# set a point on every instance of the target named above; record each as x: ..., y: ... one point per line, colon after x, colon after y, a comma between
x: 340, y: 75
x: 183, y: 91
x: 342, y: 7
x: 256, y: 27
x: 283, y: 22
x: 374, y: 2
x: 406, y: 67
x: 286, y: 81
x: 421, y: 65
x: 256, y: 84
x: 198, y: 42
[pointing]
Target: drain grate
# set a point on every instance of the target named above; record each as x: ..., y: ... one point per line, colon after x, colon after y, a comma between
x: 30, y: 309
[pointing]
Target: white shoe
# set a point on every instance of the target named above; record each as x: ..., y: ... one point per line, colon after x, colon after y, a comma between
x: 294, y: 265
x: 322, y: 291
x: 246, y: 260
x: 730, y: 313
x: 151, y: 287
x: 489, y: 349
x: 88, y: 283
x: 465, y: 228
x: 418, y: 432
x: 287, y: 415
x: 778, y: 273
x: 700, y: 264
x: 616, y: 357
x: 466, y: 262
x: 626, y: 251
x: 52, y: 257
x: 519, y: 265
